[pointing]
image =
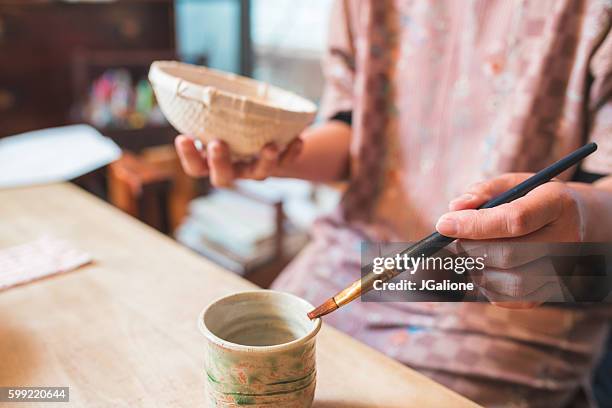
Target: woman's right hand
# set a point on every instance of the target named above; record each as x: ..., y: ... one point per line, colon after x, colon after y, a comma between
x: 214, y: 160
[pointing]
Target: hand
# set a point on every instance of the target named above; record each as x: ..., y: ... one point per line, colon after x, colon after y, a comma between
x: 517, y: 275
x: 552, y: 212
x: 215, y: 161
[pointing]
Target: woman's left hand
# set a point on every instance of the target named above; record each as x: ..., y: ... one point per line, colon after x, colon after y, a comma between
x: 515, y: 236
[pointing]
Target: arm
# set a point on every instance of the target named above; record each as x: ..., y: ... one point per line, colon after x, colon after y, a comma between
x: 597, y: 202
x: 324, y: 156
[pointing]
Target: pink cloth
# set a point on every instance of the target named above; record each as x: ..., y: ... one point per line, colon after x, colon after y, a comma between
x: 446, y: 93
x: 38, y: 259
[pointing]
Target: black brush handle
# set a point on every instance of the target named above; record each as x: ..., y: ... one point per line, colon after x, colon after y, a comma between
x: 436, y: 241
x: 543, y: 176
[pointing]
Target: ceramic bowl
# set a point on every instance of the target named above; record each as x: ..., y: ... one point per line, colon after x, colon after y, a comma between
x: 259, y: 350
x: 245, y: 113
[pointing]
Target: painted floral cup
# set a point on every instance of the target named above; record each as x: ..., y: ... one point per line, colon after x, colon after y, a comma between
x: 260, y: 350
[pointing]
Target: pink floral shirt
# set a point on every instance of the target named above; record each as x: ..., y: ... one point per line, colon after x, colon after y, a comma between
x: 446, y: 93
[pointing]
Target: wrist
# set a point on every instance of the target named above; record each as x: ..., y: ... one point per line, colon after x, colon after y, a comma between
x: 594, y: 206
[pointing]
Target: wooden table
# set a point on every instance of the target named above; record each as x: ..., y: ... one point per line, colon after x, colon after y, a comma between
x: 122, y: 332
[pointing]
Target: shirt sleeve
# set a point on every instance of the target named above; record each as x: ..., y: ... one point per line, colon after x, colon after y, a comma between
x: 600, y: 109
x: 339, y: 62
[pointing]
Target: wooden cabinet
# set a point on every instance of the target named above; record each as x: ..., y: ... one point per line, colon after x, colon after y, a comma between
x: 39, y: 41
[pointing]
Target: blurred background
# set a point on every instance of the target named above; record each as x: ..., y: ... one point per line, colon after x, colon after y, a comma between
x: 69, y: 62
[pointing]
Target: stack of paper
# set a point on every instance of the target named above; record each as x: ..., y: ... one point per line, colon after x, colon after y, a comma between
x: 239, y: 232
x: 52, y: 155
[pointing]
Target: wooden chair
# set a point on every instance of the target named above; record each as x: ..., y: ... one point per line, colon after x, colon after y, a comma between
x: 140, y: 189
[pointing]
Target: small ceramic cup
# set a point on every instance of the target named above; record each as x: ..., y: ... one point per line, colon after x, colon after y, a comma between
x: 260, y: 350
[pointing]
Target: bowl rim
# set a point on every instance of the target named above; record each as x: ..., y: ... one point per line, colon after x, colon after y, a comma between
x: 258, y: 349
x: 159, y: 77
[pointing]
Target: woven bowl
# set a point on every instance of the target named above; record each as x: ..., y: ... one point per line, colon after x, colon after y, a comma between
x: 244, y: 113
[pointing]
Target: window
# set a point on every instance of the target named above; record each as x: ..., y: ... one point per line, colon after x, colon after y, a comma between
x: 289, y: 38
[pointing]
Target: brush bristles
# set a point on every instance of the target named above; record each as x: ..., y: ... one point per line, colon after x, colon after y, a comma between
x: 326, y: 308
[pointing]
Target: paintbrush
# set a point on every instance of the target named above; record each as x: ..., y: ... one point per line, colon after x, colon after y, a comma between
x: 436, y: 241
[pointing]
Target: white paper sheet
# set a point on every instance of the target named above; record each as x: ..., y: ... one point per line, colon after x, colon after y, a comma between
x: 52, y: 155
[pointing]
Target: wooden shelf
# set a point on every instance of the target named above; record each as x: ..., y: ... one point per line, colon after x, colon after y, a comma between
x: 39, y: 40
x: 136, y: 140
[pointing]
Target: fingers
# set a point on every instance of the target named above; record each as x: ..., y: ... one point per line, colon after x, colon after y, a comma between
x: 192, y: 160
x: 523, y: 216
x: 479, y: 193
x: 220, y: 163
x: 527, y: 286
x: 267, y: 162
x: 216, y: 161
x: 223, y: 172
x: 504, y: 253
x: 467, y: 201
x: 291, y: 152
